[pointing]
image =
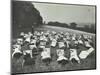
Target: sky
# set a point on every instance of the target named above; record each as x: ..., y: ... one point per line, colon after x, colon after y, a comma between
x: 66, y: 13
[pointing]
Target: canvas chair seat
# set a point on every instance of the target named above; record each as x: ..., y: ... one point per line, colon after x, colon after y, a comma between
x: 54, y: 32
x: 61, y: 44
x: 38, y: 34
x: 51, y: 38
x: 67, y: 43
x: 85, y: 54
x: 80, y: 41
x: 42, y: 47
x: 33, y: 41
x: 68, y: 38
x: 42, y: 43
x: 87, y: 44
x: 32, y: 46
x: 73, y: 55
x: 16, y: 51
x: 76, y: 42
x: 60, y: 52
x: 17, y: 54
x: 61, y: 58
x: 53, y: 43
x: 45, y: 39
x: 28, y: 52
x: 16, y: 46
x: 41, y: 38
x: 46, y: 53
x: 73, y: 38
x: 27, y: 39
x: 20, y: 41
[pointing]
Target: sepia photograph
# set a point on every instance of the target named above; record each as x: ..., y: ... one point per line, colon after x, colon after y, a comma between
x: 52, y: 37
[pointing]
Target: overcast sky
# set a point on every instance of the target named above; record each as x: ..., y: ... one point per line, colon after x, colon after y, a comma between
x: 66, y: 13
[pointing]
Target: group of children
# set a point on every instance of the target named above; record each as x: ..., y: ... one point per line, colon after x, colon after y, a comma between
x: 43, y: 43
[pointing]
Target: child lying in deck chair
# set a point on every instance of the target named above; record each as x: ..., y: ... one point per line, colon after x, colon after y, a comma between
x: 53, y: 43
x: 42, y: 45
x: 17, y: 51
x: 86, y: 53
x: 73, y: 56
x: 20, y: 41
x: 29, y: 55
x: 28, y: 59
x: 46, y: 56
x: 33, y: 47
x: 61, y: 58
x: 61, y: 44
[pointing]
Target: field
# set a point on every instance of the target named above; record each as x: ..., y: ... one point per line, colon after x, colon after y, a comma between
x: 88, y: 63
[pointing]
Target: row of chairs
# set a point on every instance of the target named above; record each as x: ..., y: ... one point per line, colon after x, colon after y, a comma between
x: 39, y: 41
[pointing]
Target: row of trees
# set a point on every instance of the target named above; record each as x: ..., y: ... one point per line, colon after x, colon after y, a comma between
x: 58, y: 24
x: 74, y: 25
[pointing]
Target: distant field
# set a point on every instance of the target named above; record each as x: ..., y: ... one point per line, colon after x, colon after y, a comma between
x: 89, y: 63
x: 59, y: 29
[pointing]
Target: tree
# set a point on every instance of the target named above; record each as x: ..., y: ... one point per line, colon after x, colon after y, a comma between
x: 24, y: 14
x: 73, y: 25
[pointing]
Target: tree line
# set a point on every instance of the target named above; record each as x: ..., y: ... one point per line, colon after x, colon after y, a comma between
x: 74, y: 25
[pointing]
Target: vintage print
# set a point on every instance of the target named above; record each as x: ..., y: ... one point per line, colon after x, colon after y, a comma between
x: 52, y: 37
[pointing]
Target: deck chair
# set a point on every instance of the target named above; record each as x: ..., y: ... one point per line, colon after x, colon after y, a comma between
x: 61, y: 58
x: 16, y: 51
x: 46, y: 56
x: 53, y: 43
x: 86, y: 53
x: 73, y: 56
x: 61, y: 44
